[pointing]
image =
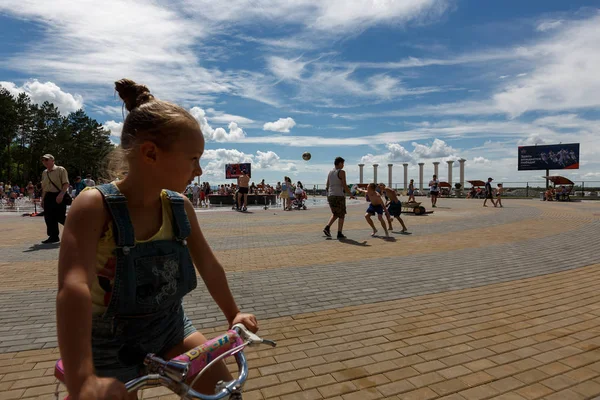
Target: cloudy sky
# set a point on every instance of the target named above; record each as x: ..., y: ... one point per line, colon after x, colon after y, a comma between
x: 373, y: 81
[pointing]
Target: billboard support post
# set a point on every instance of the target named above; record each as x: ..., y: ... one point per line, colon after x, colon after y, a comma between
x: 547, y: 180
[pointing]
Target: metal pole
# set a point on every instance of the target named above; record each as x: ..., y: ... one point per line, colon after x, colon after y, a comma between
x: 527, y: 190
x: 547, y: 181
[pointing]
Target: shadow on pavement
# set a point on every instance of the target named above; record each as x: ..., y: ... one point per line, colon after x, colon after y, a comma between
x: 37, y: 247
x: 352, y: 242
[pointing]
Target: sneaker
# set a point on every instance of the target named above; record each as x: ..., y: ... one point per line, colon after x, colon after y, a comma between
x: 340, y: 235
x: 327, y: 231
x: 50, y: 240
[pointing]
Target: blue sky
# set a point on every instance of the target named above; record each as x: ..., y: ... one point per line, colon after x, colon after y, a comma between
x: 373, y: 81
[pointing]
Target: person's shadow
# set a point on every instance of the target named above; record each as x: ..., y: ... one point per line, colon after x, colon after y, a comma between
x: 354, y: 242
x: 402, y: 233
x: 42, y: 246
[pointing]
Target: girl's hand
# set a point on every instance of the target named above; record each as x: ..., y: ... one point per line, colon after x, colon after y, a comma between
x: 96, y: 388
x: 248, y: 320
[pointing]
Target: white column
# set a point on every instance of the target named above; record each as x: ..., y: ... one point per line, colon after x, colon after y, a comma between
x: 375, y: 172
x: 390, y: 175
x: 421, y: 175
x: 435, y: 169
x: 462, y: 172
x: 450, y: 173
x: 360, y: 171
x: 405, y: 165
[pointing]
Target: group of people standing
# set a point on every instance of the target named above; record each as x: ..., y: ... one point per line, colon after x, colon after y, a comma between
x: 199, y: 194
x: 337, y: 188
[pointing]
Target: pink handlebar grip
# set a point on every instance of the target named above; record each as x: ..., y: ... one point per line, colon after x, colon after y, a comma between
x: 200, y: 356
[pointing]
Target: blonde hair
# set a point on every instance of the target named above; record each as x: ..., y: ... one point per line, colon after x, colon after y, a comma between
x: 149, y: 119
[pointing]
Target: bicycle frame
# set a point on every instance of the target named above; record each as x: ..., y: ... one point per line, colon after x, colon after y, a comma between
x: 180, y: 373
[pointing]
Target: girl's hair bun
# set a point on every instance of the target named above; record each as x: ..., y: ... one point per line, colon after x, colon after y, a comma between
x: 133, y: 94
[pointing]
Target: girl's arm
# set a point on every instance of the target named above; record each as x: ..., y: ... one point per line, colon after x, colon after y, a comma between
x: 210, y: 268
x: 76, y: 270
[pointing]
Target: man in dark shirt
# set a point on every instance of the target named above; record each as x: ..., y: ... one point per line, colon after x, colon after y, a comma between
x: 489, y: 193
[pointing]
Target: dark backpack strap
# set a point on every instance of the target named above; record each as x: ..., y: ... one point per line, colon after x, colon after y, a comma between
x: 117, y: 206
x: 181, y: 223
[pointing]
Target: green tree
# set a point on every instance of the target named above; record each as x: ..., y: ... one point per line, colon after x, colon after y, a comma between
x: 28, y: 131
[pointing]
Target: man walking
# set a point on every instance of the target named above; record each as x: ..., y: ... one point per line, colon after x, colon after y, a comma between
x: 336, y: 197
x: 489, y: 193
x: 55, y: 183
x: 434, y: 190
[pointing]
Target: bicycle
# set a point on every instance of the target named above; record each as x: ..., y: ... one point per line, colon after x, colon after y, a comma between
x: 190, y: 366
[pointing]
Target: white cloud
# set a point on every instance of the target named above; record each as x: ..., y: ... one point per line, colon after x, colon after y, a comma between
x: 398, y: 153
x: 531, y: 140
x: 438, y: 149
x: 334, y: 17
x: 114, y: 127
x: 549, y: 25
x: 563, y: 75
x: 221, y: 117
x: 481, y: 160
x: 235, y: 133
x: 84, y: 43
x: 266, y: 159
x: 286, y: 69
x: 40, y: 92
x: 281, y: 125
x: 504, y: 76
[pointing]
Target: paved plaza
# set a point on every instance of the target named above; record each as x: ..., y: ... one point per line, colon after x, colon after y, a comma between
x: 474, y: 303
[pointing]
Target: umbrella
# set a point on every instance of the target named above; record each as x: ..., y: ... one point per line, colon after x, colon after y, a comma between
x: 559, y: 180
x: 477, y: 183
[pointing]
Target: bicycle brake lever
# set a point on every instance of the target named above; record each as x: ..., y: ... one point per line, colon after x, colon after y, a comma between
x: 252, y: 338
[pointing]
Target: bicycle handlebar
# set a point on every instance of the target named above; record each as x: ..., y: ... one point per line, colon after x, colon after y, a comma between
x: 177, y: 372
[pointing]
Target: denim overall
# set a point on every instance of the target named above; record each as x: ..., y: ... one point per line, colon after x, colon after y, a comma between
x: 145, y: 310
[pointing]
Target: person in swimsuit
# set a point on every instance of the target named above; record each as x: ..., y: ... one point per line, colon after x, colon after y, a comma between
x: 499, y: 193
x: 394, y: 206
x: 376, y: 207
x: 243, y: 191
x: 382, y: 192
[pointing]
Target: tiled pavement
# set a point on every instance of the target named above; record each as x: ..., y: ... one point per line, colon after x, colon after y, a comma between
x: 476, y: 303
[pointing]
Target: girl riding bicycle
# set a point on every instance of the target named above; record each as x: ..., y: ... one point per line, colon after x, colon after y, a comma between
x: 128, y: 253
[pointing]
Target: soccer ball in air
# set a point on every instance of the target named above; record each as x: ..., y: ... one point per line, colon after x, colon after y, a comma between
x: 306, y: 156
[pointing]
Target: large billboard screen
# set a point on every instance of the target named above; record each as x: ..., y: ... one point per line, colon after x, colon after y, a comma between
x: 233, y: 171
x: 552, y: 156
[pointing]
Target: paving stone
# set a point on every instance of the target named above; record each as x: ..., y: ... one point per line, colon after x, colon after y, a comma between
x: 421, y: 317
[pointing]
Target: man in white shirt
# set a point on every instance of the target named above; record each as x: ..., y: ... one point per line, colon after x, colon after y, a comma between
x: 196, y: 194
x: 89, y: 181
x: 434, y: 190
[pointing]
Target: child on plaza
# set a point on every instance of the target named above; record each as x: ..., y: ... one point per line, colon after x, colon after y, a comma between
x: 376, y: 207
x: 123, y: 273
x: 499, y: 193
x: 394, y: 206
